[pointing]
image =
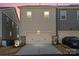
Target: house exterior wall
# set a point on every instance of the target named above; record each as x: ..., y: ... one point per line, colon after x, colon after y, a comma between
x: 70, y: 26
x: 71, y: 23
x: 8, y: 26
x: 54, y: 25
x: 8, y: 23
x: 38, y: 21
x: 11, y: 12
x: 0, y: 26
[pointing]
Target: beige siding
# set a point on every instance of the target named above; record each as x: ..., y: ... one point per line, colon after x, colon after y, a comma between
x: 29, y: 26
x: 43, y: 38
x: 38, y: 21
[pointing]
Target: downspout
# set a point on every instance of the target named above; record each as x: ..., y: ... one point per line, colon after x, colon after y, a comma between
x: 57, y: 28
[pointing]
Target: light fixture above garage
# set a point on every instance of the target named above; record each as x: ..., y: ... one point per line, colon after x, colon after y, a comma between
x: 38, y: 31
x: 46, y: 14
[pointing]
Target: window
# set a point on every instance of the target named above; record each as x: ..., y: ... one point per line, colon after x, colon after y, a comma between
x: 29, y: 14
x: 38, y: 31
x: 78, y: 15
x: 46, y: 13
x: 63, y: 15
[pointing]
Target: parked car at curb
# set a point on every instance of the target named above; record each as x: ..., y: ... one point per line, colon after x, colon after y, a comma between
x: 71, y: 41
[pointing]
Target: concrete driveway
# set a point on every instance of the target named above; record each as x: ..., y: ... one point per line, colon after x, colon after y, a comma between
x: 38, y: 50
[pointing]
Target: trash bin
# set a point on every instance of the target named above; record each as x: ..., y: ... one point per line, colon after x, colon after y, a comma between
x: 7, y: 42
x: 17, y: 43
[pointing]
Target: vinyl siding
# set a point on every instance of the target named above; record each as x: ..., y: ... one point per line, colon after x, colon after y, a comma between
x: 38, y: 21
x: 71, y: 23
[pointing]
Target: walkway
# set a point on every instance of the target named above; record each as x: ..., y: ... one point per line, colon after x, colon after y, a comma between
x: 38, y: 50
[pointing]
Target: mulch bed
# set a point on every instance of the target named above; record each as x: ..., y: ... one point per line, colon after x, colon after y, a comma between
x: 9, y: 51
x: 63, y: 48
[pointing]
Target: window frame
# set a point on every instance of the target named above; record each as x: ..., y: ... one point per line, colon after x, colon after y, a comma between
x: 63, y: 13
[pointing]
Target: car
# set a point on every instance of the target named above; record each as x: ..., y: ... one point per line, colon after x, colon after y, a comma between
x: 71, y: 41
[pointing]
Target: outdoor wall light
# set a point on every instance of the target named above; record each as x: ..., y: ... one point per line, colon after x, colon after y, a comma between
x: 29, y: 14
x: 38, y: 31
x: 46, y: 13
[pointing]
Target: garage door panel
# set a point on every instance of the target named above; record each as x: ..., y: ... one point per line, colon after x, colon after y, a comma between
x: 38, y: 39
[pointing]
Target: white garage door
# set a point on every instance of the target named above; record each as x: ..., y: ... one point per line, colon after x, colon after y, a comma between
x: 43, y: 38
